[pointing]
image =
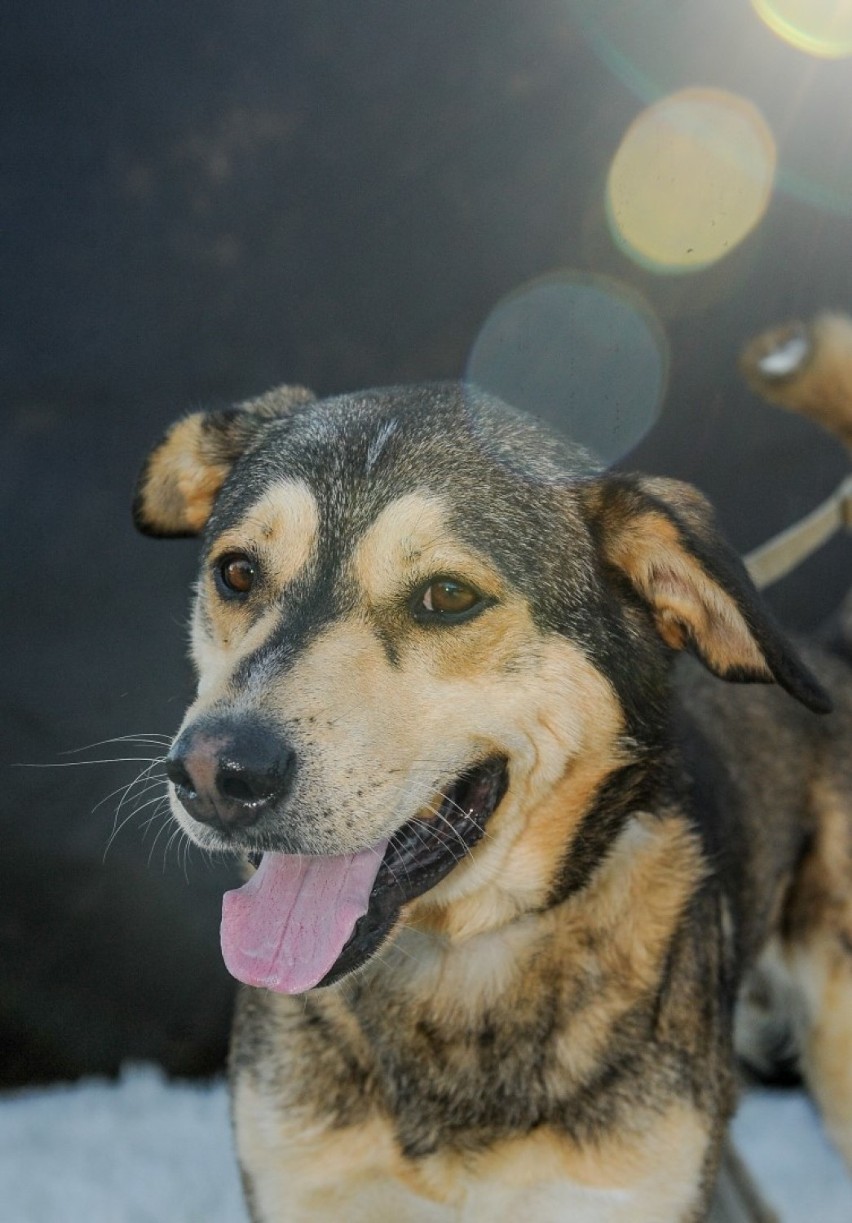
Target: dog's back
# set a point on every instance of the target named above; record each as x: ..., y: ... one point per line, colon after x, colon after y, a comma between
x: 788, y: 781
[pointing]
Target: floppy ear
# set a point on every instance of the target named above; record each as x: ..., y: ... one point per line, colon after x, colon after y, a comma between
x: 661, y: 536
x: 185, y: 471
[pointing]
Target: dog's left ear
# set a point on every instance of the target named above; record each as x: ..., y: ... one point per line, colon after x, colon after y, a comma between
x: 661, y: 536
x: 185, y: 471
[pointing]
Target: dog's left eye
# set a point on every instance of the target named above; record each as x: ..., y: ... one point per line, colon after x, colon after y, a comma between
x: 448, y: 601
x: 235, y: 574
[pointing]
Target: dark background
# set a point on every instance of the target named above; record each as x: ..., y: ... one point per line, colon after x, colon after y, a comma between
x: 201, y: 200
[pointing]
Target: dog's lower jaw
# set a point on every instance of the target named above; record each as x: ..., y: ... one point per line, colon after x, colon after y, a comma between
x: 306, y: 921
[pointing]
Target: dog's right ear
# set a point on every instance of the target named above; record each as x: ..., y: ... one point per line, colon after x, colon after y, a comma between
x: 185, y: 471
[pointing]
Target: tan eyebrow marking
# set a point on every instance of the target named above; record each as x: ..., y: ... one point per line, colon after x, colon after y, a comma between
x: 282, y: 526
x: 411, y: 536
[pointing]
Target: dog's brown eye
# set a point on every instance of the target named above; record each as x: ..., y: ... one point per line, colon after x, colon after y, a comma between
x: 235, y: 574
x: 447, y: 600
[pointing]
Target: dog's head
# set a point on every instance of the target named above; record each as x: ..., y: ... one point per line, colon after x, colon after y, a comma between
x: 429, y: 638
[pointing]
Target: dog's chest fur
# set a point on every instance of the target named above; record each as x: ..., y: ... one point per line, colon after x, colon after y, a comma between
x: 461, y: 1067
x: 300, y: 1174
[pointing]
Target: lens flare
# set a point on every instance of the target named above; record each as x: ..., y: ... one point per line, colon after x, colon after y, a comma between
x: 583, y: 353
x: 691, y: 178
x: 820, y: 27
x: 655, y: 48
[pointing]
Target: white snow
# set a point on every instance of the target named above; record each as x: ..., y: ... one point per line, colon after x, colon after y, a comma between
x: 146, y: 1150
x: 142, y: 1150
x: 781, y: 1139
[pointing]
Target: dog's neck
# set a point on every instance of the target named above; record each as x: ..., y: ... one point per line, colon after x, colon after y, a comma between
x: 538, y: 997
x: 548, y: 850
x: 620, y: 820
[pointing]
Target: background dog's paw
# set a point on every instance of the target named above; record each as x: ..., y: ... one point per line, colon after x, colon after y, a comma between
x: 777, y: 357
x: 780, y: 353
x: 806, y: 367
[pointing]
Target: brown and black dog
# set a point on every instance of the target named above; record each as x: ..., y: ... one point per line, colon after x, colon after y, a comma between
x: 514, y: 867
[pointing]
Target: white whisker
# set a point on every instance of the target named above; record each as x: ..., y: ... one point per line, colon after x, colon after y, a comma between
x: 117, y: 827
x: 81, y: 764
x: 159, y: 812
x: 143, y: 740
x: 154, y: 842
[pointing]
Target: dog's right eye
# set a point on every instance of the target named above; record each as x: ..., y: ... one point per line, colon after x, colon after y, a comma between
x: 234, y: 574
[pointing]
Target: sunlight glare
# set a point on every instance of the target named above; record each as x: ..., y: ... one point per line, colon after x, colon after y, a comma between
x: 820, y: 27
x: 690, y: 180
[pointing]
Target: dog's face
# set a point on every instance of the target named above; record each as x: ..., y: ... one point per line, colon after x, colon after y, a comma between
x: 427, y: 636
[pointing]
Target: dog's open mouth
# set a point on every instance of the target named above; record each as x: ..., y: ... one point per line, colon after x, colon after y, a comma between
x: 304, y: 920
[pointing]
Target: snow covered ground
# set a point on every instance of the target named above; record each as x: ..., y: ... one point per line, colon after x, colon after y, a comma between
x: 780, y: 1137
x: 148, y: 1151
x: 140, y: 1151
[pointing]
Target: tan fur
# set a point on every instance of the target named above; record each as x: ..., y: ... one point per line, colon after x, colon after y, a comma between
x: 600, y: 935
x: 545, y: 1031
x: 185, y: 473
x: 804, y: 975
x: 216, y: 654
x: 410, y: 540
x: 181, y: 481
x: 687, y: 603
x: 817, y: 953
x: 523, y: 848
x: 821, y: 387
x: 362, y: 1177
x: 803, y: 981
x: 824, y: 974
x: 495, y: 685
x: 622, y: 1170
x: 304, y: 1170
x: 281, y: 527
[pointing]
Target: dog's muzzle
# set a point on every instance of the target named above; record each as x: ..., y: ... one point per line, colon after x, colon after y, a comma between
x: 227, y: 775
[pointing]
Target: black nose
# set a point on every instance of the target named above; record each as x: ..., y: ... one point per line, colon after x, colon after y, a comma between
x: 229, y: 774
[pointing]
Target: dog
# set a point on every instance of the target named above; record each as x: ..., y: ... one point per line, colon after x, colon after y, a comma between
x: 518, y: 855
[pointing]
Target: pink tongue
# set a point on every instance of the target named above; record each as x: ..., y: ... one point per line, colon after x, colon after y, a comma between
x: 285, y: 928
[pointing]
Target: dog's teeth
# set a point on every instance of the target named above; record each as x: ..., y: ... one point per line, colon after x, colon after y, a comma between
x: 786, y: 358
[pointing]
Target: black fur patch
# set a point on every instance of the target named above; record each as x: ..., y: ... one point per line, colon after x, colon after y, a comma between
x: 636, y: 787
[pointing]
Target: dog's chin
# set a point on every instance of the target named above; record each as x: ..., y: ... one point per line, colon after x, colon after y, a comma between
x: 308, y: 920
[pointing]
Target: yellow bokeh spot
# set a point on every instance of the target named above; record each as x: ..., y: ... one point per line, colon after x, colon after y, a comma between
x: 821, y: 27
x: 691, y: 178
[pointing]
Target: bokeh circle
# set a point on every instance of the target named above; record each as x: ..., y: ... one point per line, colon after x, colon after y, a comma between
x: 819, y: 27
x: 585, y: 354
x: 691, y: 179
x: 746, y: 49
